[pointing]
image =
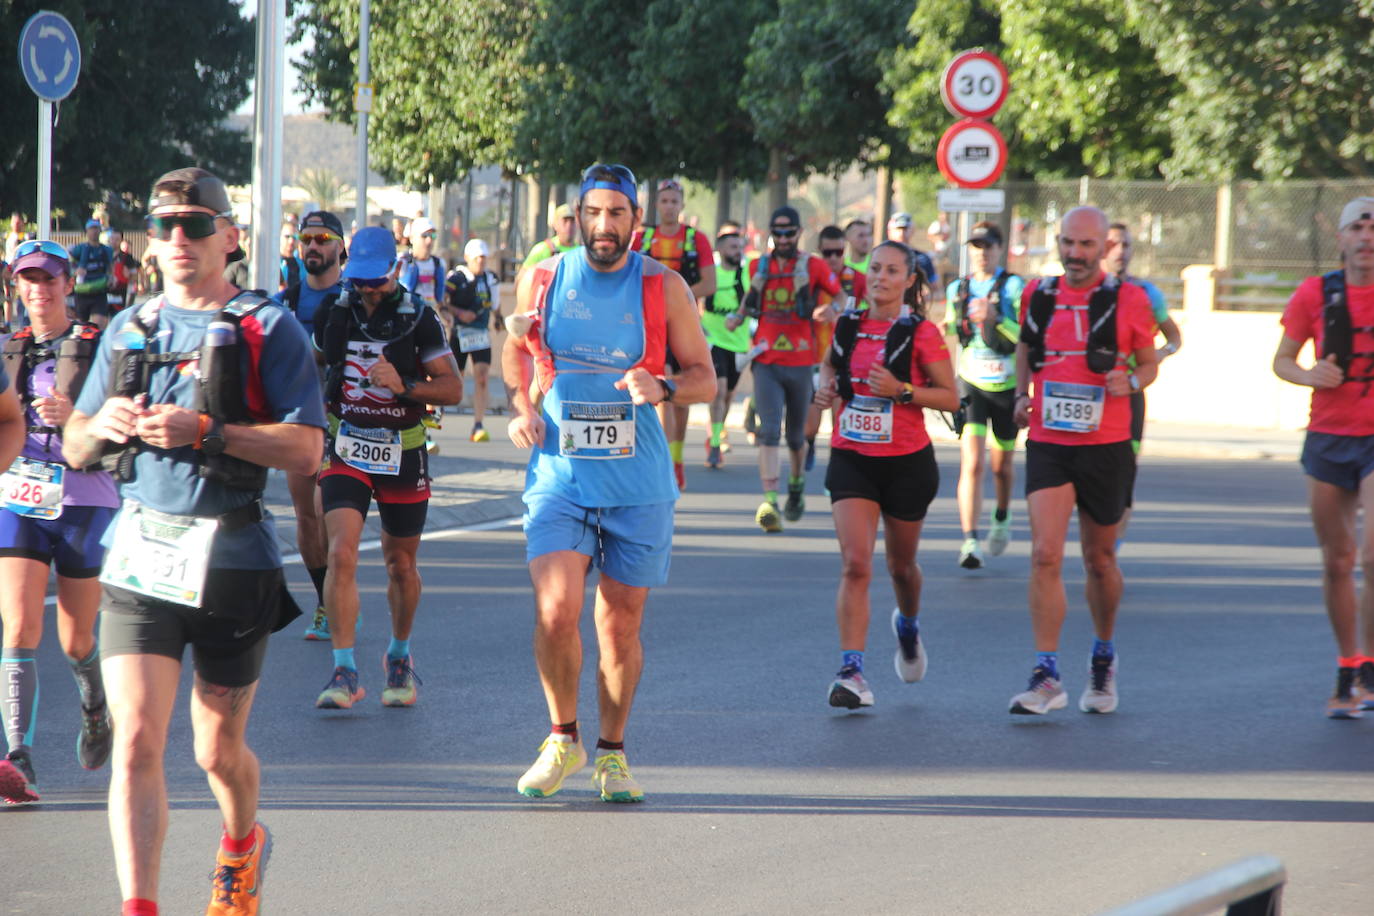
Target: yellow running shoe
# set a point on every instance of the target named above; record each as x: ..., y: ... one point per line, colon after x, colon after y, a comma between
x: 480, y: 435
x: 558, y: 759
x: 236, y: 882
x: 768, y: 518
x: 613, y: 780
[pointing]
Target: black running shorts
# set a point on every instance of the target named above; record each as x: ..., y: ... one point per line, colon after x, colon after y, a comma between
x: 903, y: 486
x: 1102, y: 475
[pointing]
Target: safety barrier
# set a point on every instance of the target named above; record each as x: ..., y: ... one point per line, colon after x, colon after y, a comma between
x: 1250, y: 887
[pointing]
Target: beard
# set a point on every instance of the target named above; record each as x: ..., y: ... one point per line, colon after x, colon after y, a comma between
x: 618, y: 249
x: 316, y: 263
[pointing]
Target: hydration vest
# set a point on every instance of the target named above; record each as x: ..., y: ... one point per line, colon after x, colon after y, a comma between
x: 1101, y: 349
x: 1338, y: 335
x: 992, y: 339
x: 690, y: 265
x: 655, y: 320
x: 896, y: 348
x: 394, y: 328
x: 220, y: 393
x: 739, y: 295
x: 22, y: 352
x: 803, y: 301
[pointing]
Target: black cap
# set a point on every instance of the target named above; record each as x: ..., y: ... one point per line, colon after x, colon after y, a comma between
x: 785, y: 216
x: 191, y: 187
x: 986, y: 233
x: 322, y: 219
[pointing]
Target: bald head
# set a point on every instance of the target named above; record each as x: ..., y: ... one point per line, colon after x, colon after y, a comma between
x: 1082, y: 241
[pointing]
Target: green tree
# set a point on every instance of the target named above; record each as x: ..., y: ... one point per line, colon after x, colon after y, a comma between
x: 148, y: 100
x: 322, y: 186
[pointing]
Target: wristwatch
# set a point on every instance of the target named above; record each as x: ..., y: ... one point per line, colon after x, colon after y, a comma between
x: 906, y: 395
x: 1135, y: 382
x: 669, y: 389
x: 212, y: 443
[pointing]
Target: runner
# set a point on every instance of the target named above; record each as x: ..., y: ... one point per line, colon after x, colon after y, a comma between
x: 474, y: 299
x: 1120, y: 250
x: 51, y: 513
x: 385, y: 357
x: 564, y: 229
x: 292, y: 266
x: 789, y: 293
x: 123, y: 272
x: 93, y: 265
x: 1076, y: 334
x: 594, y: 326
x: 885, y: 365
x: 681, y: 248
x: 727, y: 331
x: 422, y: 271
x: 1336, y: 313
x: 852, y: 285
x: 193, y: 558
x: 983, y: 317
x: 900, y: 228
x: 320, y: 237
x: 858, y: 235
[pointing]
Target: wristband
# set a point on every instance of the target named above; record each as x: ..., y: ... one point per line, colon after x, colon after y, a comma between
x: 202, y: 427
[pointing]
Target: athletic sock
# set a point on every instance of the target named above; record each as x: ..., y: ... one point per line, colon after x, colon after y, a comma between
x: 793, y: 482
x: 317, y: 574
x: 717, y: 431
x: 235, y: 847
x: 19, y: 704
x: 603, y: 745
x: 853, y: 660
x: 675, y: 451
x: 771, y: 496
x: 1341, y: 661
x: 137, y: 906
x: 399, y: 648
x: 1049, y: 661
x: 907, y: 626
x: 1000, y: 515
x: 343, y: 658
x: 1103, y: 648
x: 971, y: 533
x: 88, y: 681
x: 565, y: 728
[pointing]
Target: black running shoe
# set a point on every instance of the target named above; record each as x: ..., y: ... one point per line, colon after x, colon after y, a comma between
x: 94, y: 742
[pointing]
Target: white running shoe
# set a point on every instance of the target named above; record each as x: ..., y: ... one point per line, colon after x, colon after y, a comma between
x: 850, y: 690
x: 971, y: 555
x: 999, y: 536
x: 1040, y: 696
x: 910, y: 659
x: 558, y: 759
x: 1100, y: 694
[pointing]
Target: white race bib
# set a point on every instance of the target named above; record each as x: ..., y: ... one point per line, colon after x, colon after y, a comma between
x: 33, y: 488
x: 992, y: 370
x: 595, y: 429
x: 375, y: 451
x: 473, y: 339
x: 160, y: 555
x: 1072, y: 408
x: 867, y: 419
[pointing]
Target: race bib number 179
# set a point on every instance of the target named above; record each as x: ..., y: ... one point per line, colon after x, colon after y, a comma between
x: 596, y: 429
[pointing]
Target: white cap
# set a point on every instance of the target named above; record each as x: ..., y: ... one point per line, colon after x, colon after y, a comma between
x: 1358, y: 209
x: 419, y: 226
x: 476, y: 248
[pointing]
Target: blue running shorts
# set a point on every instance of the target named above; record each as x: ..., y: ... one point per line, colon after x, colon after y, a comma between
x: 1341, y: 461
x: 631, y: 544
x: 71, y: 542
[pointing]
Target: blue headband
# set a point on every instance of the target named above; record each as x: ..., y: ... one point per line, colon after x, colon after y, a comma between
x: 621, y: 183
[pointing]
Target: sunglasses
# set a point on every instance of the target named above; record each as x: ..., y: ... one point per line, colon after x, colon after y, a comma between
x: 832, y: 252
x: 193, y: 225
x: 46, y: 247
x: 426, y: 235
x: 784, y: 233
x: 370, y: 284
x: 317, y: 238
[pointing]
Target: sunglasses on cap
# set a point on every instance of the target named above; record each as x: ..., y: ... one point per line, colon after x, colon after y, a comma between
x: 317, y: 238
x: 193, y: 225
x: 373, y: 283
x: 33, y: 245
x: 784, y: 232
x: 832, y: 252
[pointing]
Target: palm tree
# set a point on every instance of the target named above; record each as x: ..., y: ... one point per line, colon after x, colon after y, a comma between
x: 323, y: 187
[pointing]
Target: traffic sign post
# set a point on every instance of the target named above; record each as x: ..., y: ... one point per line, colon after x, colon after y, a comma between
x: 50, y: 58
x: 974, y: 85
x: 972, y: 153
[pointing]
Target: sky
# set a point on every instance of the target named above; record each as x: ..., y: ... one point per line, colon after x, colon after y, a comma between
x: 295, y: 101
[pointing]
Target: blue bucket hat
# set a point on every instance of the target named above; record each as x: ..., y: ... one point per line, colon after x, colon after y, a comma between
x: 371, y: 255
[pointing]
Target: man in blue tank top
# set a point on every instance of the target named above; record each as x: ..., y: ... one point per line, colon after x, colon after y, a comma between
x: 591, y: 329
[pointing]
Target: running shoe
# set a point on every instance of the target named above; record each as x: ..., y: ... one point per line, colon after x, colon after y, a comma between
x: 342, y: 691
x: 971, y: 555
x: 318, y: 631
x: 713, y: 459
x: 1041, y: 695
x: 849, y: 689
x: 680, y: 475
x: 557, y: 761
x: 751, y: 419
x: 725, y: 442
x: 999, y: 536
x: 401, y: 681
x: 1100, y: 694
x: 613, y: 780
x: 811, y: 455
x: 768, y: 518
x: 95, y: 740
x: 910, y: 658
x: 236, y: 882
x: 18, y: 786
x: 795, y: 507
x: 1345, y: 702
x: 1366, y: 676
x: 480, y: 435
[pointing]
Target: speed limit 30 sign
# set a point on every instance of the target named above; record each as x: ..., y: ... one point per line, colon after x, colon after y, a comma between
x: 974, y: 85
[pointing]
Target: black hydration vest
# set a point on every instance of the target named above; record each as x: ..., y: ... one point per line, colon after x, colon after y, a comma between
x: 896, y: 348
x: 992, y: 338
x: 22, y: 353
x: 220, y: 392
x: 1338, y: 335
x: 393, y: 327
x: 1101, y: 349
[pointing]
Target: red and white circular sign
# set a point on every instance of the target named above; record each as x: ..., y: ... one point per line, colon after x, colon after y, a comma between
x: 971, y: 154
x: 974, y: 85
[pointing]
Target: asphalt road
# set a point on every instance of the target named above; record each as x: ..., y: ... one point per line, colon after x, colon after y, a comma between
x: 761, y: 798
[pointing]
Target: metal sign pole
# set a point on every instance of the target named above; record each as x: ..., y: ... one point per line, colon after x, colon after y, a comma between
x: 267, y: 143
x: 364, y: 79
x: 44, y: 169
x: 961, y: 239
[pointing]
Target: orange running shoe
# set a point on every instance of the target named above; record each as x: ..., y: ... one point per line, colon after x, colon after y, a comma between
x: 236, y: 882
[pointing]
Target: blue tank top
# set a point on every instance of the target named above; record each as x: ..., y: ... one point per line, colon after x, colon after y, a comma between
x: 594, y: 328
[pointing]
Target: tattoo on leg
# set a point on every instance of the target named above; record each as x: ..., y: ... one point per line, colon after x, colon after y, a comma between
x: 237, y: 695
